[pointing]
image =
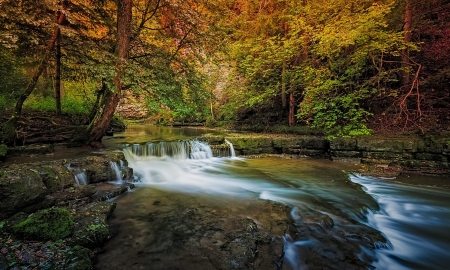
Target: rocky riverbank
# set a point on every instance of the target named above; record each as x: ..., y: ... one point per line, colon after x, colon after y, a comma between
x: 428, y: 154
x: 48, y: 221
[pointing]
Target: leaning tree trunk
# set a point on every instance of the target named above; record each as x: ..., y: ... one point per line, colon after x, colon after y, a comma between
x: 101, y: 121
x: 9, y: 128
x: 38, y: 72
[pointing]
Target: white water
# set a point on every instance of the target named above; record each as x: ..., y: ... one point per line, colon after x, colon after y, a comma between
x: 232, y: 152
x: 79, y: 175
x: 416, y: 222
x: 115, y: 168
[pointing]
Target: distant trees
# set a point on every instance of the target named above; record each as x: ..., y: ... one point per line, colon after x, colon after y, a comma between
x: 343, y: 66
x: 349, y: 65
x: 158, y: 55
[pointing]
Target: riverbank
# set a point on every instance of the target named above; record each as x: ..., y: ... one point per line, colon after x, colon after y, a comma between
x: 53, y: 213
x: 383, y: 156
x: 239, y: 234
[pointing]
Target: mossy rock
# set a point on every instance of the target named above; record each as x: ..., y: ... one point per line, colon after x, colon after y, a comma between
x: 91, y: 228
x: 79, y: 258
x: 93, y: 236
x: 21, y: 190
x: 49, y: 224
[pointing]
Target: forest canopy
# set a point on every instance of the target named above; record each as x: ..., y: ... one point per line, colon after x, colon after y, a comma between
x: 345, y: 68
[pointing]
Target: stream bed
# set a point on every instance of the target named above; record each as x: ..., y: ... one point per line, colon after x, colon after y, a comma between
x: 192, y: 210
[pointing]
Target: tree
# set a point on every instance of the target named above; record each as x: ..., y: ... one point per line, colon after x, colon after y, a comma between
x: 101, y: 121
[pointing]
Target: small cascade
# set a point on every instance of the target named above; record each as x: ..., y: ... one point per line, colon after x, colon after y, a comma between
x: 232, y: 152
x: 121, y: 163
x: 177, y: 150
x: 81, y: 178
x: 80, y: 175
x: 200, y: 150
x: 115, y: 168
x: 164, y: 162
x: 225, y: 149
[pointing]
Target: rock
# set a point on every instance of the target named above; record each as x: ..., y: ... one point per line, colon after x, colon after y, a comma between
x: 98, y: 168
x: 30, y: 150
x: 48, y: 224
x: 91, y: 227
x: 21, y: 189
x: 79, y: 258
x: 32, y: 186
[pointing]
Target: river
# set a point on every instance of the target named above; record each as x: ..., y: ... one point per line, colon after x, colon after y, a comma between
x: 192, y: 210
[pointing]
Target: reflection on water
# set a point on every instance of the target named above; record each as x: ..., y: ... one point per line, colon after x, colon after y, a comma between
x: 149, y: 133
x: 415, y: 220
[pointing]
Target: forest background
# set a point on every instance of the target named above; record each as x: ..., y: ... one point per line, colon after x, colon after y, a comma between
x: 337, y: 67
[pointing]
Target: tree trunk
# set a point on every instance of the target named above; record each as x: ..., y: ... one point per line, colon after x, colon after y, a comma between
x: 38, y: 72
x: 406, y: 74
x: 101, y: 121
x: 283, y: 85
x: 58, y: 75
x: 291, y: 105
x: 100, y: 94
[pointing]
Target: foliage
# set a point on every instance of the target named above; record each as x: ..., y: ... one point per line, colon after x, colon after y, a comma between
x: 340, y: 62
x: 335, y: 68
x: 68, y: 104
x: 12, y: 77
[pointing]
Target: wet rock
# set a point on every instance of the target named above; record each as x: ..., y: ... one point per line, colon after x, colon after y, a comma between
x: 32, y: 186
x: 31, y: 150
x: 106, y: 191
x: 21, y: 189
x: 427, y: 154
x: 313, y: 242
x: 48, y: 224
x: 91, y: 228
x: 24, y: 187
x: 98, y: 168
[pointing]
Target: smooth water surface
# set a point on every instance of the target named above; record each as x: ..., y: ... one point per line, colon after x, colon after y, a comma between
x: 415, y: 220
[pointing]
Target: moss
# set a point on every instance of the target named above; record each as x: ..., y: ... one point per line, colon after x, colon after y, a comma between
x: 49, y: 224
x: 79, y: 259
x: 94, y: 235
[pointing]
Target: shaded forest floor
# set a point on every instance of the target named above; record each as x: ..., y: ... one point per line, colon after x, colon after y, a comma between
x: 39, y: 127
x: 36, y: 127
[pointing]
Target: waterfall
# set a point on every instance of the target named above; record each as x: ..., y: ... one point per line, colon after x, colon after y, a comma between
x: 232, y: 153
x: 177, y: 150
x: 200, y: 150
x: 80, y: 176
x: 115, y: 168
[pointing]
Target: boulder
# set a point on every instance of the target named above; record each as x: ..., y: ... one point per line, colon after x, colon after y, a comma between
x: 48, y: 224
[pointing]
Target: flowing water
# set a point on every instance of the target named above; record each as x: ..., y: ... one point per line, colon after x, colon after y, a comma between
x: 184, y: 212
